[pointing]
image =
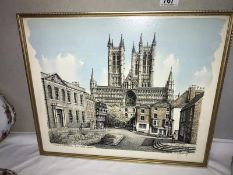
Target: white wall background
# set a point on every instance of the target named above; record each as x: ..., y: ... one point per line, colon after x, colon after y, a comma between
x: 12, y: 73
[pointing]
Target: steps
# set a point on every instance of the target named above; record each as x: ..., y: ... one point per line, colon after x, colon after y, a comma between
x: 173, y: 148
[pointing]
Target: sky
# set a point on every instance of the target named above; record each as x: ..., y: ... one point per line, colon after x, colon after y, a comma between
x: 71, y: 47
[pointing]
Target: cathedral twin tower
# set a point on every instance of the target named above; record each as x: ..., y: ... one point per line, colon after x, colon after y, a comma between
x: 138, y: 84
x: 142, y: 65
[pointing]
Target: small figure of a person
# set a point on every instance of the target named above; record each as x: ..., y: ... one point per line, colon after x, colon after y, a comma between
x: 173, y: 139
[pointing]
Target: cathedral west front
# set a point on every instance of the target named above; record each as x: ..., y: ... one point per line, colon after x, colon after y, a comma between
x: 137, y: 88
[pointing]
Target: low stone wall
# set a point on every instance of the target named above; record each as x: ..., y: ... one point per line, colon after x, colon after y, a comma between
x: 76, y: 137
x: 112, y: 139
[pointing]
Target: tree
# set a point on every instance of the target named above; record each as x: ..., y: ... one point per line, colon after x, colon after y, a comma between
x: 115, y: 117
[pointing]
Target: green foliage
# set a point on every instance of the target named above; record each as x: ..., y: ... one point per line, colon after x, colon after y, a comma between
x: 115, y: 117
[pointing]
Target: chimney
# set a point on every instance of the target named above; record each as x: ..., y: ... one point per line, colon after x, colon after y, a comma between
x: 76, y: 83
x: 191, y: 92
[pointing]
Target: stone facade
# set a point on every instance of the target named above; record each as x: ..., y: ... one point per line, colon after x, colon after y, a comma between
x: 143, y: 119
x: 161, y: 119
x: 190, y: 115
x: 68, y: 105
x: 155, y: 119
x: 101, y: 113
x: 90, y: 111
x: 137, y: 88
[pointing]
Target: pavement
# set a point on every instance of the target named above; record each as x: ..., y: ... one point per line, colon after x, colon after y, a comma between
x: 134, y: 141
x: 173, y: 147
x: 131, y: 141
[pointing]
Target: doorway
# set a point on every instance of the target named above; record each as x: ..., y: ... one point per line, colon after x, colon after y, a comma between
x: 60, y: 122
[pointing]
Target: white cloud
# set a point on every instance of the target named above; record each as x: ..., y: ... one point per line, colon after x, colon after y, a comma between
x: 202, y: 77
x: 66, y: 65
x: 171, y: 61
x: 81, y: 62
x: 210, y: 90
x: 36, y: 75
x: 104, y: 77
x: 162, y: 69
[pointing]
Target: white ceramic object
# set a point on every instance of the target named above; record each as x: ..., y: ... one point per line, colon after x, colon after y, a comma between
x: 7, y: 117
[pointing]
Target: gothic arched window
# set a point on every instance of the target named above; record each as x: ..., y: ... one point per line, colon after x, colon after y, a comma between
x: 130, y: 99
x: 144, y: 64
x: 114, y: 59
x: 50, y: 93
x: 136, y: 67
x: 118, y: 64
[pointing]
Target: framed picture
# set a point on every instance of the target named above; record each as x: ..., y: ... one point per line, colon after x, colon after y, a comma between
x: 140, y: 87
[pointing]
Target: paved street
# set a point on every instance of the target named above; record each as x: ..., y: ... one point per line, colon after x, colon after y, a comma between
x: 131, y: 141
x: 134, y: 141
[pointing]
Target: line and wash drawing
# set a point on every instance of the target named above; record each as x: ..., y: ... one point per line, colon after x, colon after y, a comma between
x: 129, y: 113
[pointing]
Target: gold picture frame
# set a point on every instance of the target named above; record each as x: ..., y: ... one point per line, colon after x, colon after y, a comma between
x: 30, y: 26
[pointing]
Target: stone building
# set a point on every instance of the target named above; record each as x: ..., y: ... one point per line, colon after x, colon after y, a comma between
x: 143, y: 118
x: 161, y: 119
x: 101, y: 113
x: 176, y: 121
x: 179, y: 102
x: 90, y: 112
x: 137, y: 88
x: 68, y: 105
x: 155, y: 119
x: 190, y: 115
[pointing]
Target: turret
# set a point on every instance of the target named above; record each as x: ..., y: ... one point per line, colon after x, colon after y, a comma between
x: 170, y: 86
x: 133, y: 49
x: 154, y: 41
x: 109, y: 42
x: 170, y: 81
x: 122, y: 44
x: 152, y: 60
x: 92, y: 81
x: 140, y: 44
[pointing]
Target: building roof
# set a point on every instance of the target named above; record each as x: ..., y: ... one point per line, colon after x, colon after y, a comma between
x: 44, y: 75
x: 193, y: 101
x: 161, y: 104
x: 151, y: 88
x: 143, y: 106
x: 108, y: 87
x: 130, y: 78
x: 55, y: 78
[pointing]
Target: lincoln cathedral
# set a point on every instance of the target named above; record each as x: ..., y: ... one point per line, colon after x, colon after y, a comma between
x: 137, y: 87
